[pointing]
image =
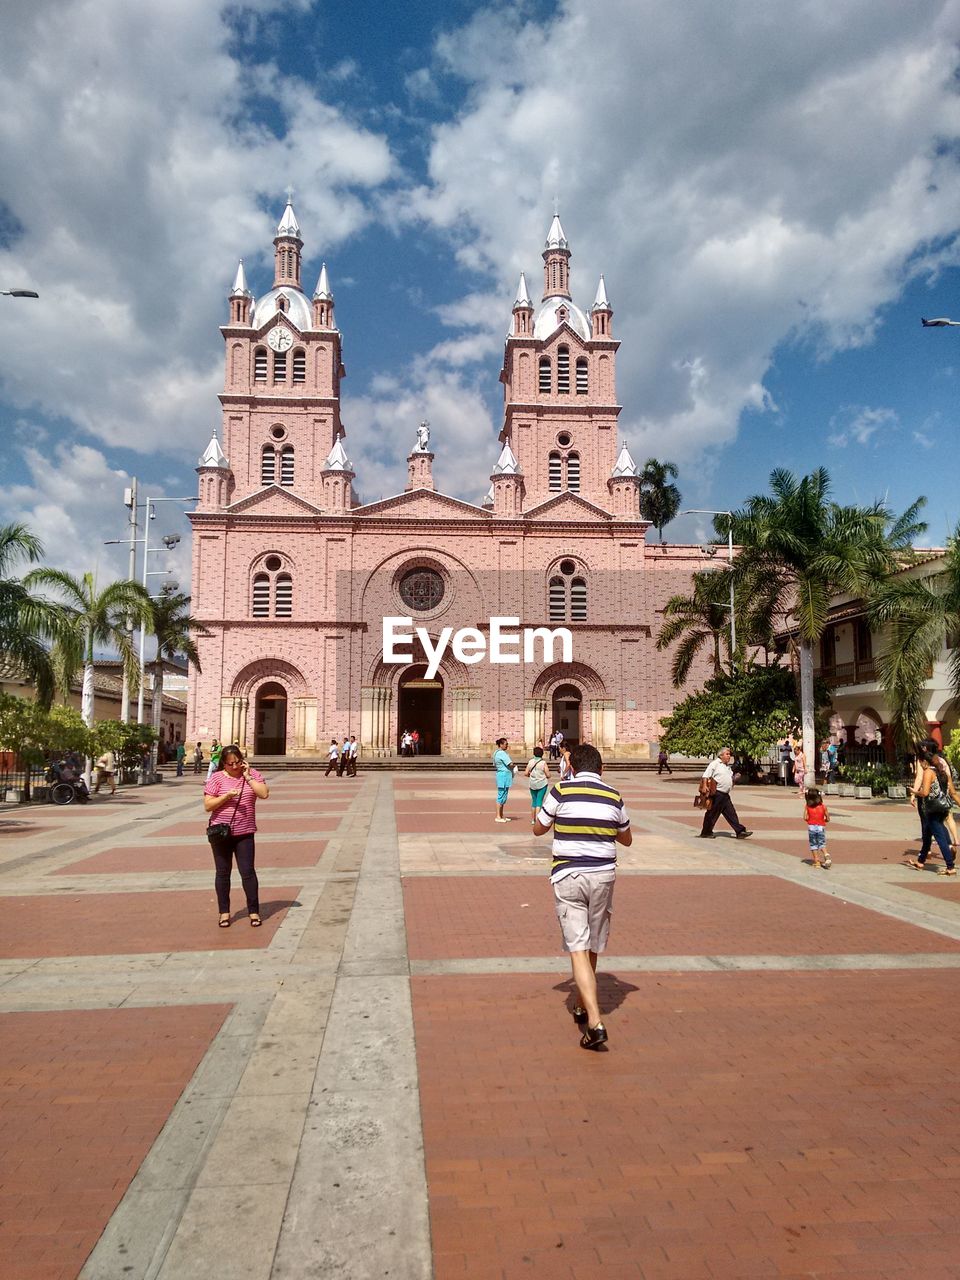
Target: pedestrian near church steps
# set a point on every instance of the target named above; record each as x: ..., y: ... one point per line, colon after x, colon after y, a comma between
x: 663, y: 762
x: 344, y: 756
x: 215, y: 752
x: 198, y: 757
x: 537, y: 774
x: 505, y: 772
x: 719, y: 802
x: 230, y: 798
x: 353, y: 752
x: 333, y: 757
x: 181, y: 755
x: 589, y: 820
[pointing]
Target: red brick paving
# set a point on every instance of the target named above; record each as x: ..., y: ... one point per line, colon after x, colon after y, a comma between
x: 476, y: 916
x: 83, y: 1096
x: 859, y: 850
x: 179, y: 857
x: 741, y: 1125
x: 281, y: 826
x: 92, y: 924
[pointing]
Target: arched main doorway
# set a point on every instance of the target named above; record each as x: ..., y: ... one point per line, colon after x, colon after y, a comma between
x: 420, y: 707
x: 270, y: 734
x: 567, y: 702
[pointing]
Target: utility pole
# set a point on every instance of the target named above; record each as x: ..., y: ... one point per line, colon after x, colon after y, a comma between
x: 130, y: 501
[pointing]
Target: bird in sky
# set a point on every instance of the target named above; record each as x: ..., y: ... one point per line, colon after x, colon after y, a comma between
x: 938, y: 323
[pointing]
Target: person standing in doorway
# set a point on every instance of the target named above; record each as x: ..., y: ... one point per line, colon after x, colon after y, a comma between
x: 720, y: 772
x: 589, y: 820
x: 415, y: 740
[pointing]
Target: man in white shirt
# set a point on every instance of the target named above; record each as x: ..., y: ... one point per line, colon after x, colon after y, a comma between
x: 354, y: 752
x: 720, y: 772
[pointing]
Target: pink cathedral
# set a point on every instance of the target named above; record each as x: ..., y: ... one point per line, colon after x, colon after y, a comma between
x: 293, y: 575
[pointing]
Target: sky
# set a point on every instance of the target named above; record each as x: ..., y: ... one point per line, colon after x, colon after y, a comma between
x: 771, y: 190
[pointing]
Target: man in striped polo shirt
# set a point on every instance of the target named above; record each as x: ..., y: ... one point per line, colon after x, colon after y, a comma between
x: 589, y: 820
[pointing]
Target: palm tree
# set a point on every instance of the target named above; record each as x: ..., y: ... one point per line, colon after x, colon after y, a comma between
x: 174, y: 628
x: 801, y: 548
x: 26, y: 621
x: 919, y: 616
x: 94, y: 619
x: 701, y: 619
x: 659, y: 498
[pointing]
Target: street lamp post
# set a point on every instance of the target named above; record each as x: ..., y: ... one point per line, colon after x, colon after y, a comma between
x: 18, y: 293
x: 708, y: 511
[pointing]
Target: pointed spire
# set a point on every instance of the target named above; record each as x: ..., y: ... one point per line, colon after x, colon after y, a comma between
x: 507, y: 465
x: 625, y: 465
x: 523, y: 296
x: 488, y: 498
x: 555, y: 237
x: 337, y: 459
x: 289, y: 226
x: 600, y: 302
x: 322, y: 291
x: 240, y: 289
x: 213, y: 455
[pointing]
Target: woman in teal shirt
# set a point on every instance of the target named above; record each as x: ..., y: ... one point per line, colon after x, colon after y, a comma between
x: 505, y: 770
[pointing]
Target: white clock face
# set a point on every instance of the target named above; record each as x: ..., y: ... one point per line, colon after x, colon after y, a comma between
x: 280, y: 339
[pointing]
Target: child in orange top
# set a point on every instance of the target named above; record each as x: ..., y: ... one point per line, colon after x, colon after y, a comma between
x: 816, y: 817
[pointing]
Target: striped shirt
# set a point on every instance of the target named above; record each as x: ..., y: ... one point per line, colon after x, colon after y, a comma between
x: 241, y: 811
x: 586, y: 814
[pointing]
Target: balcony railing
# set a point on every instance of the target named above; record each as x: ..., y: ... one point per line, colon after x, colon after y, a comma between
x: 861, y: 671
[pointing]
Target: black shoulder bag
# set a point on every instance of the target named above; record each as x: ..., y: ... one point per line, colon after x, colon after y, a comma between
x: 221, y: 830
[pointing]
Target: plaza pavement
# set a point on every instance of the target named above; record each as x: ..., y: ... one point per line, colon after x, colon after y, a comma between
x: 385, y: 1081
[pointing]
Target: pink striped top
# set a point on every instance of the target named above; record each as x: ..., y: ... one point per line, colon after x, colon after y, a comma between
x: 244, y: 821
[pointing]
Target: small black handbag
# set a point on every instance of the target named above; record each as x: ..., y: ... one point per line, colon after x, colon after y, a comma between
x: 217, y: 831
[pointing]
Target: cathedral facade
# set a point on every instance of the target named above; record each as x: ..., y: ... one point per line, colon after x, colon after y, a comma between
x: 293, y: 576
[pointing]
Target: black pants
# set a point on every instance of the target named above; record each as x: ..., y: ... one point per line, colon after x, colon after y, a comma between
x: 224, y: 851
x: 721, y: 804
x: 331, y: 766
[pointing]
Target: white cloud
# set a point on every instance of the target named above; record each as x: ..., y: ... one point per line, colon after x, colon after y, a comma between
x: 859, y: 425
x: 136, y: 167
x: 742, y: 174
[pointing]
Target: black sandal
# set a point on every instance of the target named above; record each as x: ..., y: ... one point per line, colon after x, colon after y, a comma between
x: 224, y: 921
x: 255, y: 921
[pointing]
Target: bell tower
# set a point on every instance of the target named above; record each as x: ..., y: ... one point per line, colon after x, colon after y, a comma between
x: 559, y: 386
x: 284, y: 366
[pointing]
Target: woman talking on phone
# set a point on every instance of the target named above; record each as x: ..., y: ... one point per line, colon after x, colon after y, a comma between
x: 230, y: 797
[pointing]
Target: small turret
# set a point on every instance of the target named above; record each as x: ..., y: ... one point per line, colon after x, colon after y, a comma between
x: 216, y: 478
x: 624, y: 485
x: 323, y: 302
x: 507, y: 483
x: 556, y: 262
x: 240, y: 298
x: 601, y: 314
x: 522, y: 311
x: 288, y: 246
x: 337, y: 473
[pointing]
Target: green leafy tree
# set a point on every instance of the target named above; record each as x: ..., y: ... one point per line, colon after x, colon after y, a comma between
x: 94, y: 619
x: 748, y: 711
x: 659, y: 496
x: 27, y: 622
x: 918, y: 617
x: 128, y: 742
x: 35, y: 734
x: 799, y: 548
x: 698, y: 621
x: 174, y: 628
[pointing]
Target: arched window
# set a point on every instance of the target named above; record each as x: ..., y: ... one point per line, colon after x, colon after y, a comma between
x: 555, y: 472
x: 583, y: 383
x: 283, y: 596
x: 567, y: 593
x: 558, y: 600
x: 279, y: 366
x: 573, y: 472
x: 261, y: 595
x: 545, y: 382
x: 268, y: 464
x: 299, y: 365
x: 563, y: 371
x: 283, y: 303
x: 260, y: 364
x: 286, y: 464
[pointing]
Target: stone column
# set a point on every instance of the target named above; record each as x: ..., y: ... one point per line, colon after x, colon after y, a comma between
x: 602, y: 723
x: 305, y: 725
x: 368, y: 698
x: 233, y: 722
